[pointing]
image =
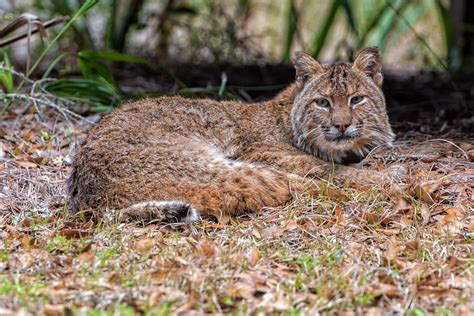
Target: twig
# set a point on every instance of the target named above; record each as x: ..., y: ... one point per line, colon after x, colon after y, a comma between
x: 452, y: 144
x: 46, y: 25
x: 63, y: 111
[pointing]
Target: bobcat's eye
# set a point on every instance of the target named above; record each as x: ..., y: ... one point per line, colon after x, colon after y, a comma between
x: 355, y: 100
x: 324, y: 103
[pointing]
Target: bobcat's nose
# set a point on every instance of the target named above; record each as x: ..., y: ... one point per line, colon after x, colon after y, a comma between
x: 341, y: 127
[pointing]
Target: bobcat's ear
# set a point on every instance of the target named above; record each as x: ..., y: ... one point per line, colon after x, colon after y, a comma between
x: 306, y: 67
x: 369, y: 61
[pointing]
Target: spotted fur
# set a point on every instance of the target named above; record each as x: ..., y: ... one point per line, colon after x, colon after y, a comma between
x: 173, y: 159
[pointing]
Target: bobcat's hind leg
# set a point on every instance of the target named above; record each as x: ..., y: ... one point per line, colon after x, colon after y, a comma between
x: 160, y: 211
x: 245, y: 190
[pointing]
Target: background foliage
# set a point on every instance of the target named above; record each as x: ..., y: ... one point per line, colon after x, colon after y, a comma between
x: 413, y: 35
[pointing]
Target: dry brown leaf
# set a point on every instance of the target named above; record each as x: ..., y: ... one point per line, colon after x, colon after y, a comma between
x: 470, y: 154
x: 253, y: 257
x: 389, y: 231
x: 331, y: 230
x: 384, y: 289
x: 282, y: 303
x: 289, y: 224
x: 458, y: 283
x: 454, y: 211
x: 432, y: 279
x: 30, y: 136
x: 339, y: 214
x: 75, y: 233
x: 144, y: 245
x: 470, y: 226
x: 392, y: 249
x: 53, y: 310
x: 402, y: 206
x: 180, y: 261
x: 241, y: 290
x: 372, y: 217
x: 425, y: 214
x: 155, y: 298
x: 450, y: 218
x: 207, y: 247
x: 435, y: 292
x: 454, y: 262
x: 158, y: 276
x: 258, y: 279
x: 413, y: 245
x: 26, y: 242
x: 86, y: 258
x: 26, y: 164
x: 272, y: 232
x: 426, y: 191
x: 25, y: 261
x: 406, y: 220
x: 335, y: 194
x: 449, y: 224
x: 223, y: 219
x: 257, y: 232
x: 373, y: 311
x: 214, y: 225
x: 415, y: 273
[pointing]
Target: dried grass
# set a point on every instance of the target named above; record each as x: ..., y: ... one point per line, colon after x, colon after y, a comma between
x: 375, y: 253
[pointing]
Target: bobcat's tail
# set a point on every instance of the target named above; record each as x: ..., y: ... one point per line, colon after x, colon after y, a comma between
x: 160, y: 211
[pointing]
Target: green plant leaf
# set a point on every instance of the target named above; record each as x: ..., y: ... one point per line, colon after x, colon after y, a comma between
x: 89, y: 4
x: 373, y: 24
x: 96, y: 92
x: 389, y: 23
x: 454, y: 56
x: 320, y: 37
x: 6, y: 78
x: 111, y: 56
x: 54, y: 63
x: 350, y: 15
x: 292, y: 28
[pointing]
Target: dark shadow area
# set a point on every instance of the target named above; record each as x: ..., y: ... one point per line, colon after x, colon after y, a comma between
x: 422, y: 103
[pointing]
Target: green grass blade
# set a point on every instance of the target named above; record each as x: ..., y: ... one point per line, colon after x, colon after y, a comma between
x: 92, y: 66
x: 320, y: 38
x: 412, y: 14
x: 54, y: 63
x: 350, y: 16
x: 111, y: 25
x: 89, y: 4
x: 130, y: 18
x: 94, y: 69
x: 96, y: 92
x: 292, y: 25
x: 111, y: 56
x: 373, y: 24
x: 389, y: 23
x: 454, y: 59
x: 6, y: 78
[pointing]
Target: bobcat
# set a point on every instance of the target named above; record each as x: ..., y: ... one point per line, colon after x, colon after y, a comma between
x: 173, y: 159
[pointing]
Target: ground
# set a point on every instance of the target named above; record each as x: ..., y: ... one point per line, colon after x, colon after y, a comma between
x: 368, y: 250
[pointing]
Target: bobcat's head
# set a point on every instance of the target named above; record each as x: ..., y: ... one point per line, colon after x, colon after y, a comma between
x: 339, y: 110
